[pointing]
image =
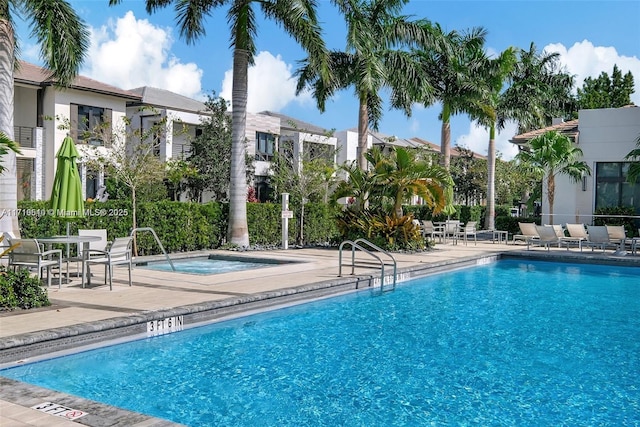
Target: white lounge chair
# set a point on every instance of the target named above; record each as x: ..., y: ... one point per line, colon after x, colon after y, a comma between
x: 546, y: 237
x: 577, y: 235
x: 598, y: 237
x: 527, y: 232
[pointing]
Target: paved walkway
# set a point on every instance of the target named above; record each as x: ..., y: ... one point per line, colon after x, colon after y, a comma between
x: 75, y: 310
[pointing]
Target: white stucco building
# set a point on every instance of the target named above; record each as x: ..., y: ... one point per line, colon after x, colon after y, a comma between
x: 605, y: 137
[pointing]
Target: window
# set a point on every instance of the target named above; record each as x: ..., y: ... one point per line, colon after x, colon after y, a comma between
x: 91, y: 125
x: 265, y: 145
x: 612, y: 188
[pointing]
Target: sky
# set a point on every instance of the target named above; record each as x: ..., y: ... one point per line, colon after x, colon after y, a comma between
x: 131, y: 48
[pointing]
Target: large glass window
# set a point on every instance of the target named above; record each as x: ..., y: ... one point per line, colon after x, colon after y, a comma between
x: 265, y: 146
x: 612, y: 188
x: 318, y: 151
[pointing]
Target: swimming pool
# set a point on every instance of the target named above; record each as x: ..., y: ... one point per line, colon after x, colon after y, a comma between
x: 207, y: 265
x: 510, y: 343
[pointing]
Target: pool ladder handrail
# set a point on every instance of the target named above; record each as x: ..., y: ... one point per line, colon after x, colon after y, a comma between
x: 355, y: 244
x: 166, y: 255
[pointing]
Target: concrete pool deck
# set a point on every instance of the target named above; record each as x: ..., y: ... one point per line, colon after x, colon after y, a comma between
x: 96, y: 312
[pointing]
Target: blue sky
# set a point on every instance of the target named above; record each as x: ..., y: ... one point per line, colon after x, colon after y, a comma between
x: 131, y: 48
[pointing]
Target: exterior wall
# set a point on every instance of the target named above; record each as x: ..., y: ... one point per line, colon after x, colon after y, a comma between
x: 606, y: 135
x: 62, y: 110
x: 348, y: 146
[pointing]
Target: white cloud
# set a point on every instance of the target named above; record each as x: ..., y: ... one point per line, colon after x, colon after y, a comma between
x: 477, y: 139
x: 271, y: 84
x: 130, y: 52
x: 583, y: 59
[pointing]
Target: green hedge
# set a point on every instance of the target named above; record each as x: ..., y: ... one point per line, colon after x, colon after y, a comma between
x: 181, y: 226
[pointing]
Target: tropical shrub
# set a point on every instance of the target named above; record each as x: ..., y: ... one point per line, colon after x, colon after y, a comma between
x: 21, y: 290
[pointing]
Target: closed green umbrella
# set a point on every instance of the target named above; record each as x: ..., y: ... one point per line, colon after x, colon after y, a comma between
x: 66, y: 197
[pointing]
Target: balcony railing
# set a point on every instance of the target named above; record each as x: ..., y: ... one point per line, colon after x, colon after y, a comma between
x: 23, y: 135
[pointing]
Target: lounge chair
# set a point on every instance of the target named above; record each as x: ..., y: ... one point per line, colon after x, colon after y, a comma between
x: 546, y: 237
x: 598, y: 237
x: 527, y: 232
x: 577, y: 234
x: 618, y: 235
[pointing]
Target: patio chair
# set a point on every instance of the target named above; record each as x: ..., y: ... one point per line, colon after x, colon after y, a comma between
x: 118, y: 253
x: 451, y: 230
x: 598, y: 237
x: 527, y: 232
x: 428, y: 229
x: 546, y: 237
x: 467, y: 231
x: 30, y: 254
x: 98, y: 245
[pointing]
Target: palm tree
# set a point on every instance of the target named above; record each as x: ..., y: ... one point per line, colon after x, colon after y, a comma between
x: 297, y: 18
x: 451, y: 67
x: 64, y: 40
x: 539, y: 91
x: 373, y: 60
x: 402, y: 175
x: 493, y: 77
x: 553, y: 154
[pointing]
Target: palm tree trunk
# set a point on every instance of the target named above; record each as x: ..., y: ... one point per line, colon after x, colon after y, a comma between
x: 551, y: 193
x: 445, y: 136
x: 363, y: 133
x: 238, y: 231
x: 489, y: 221
x: 8, y: 180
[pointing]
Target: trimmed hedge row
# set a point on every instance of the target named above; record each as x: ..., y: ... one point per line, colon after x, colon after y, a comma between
x: 180, y: 226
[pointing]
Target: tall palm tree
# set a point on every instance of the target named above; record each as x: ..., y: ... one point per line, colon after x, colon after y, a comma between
x: 297, y: 18
x: 553, y: 154
x: 451, y: 67
x: 492, y: 78
x: 373, y: 60
x: 63, y: 40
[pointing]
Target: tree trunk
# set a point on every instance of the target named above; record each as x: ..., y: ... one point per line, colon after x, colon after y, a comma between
x: 8, y: 179
x: 551, y: 192
x: 445, y: 137
x: 363, y: 134
x: 238, y: 231
x: 489, y: 220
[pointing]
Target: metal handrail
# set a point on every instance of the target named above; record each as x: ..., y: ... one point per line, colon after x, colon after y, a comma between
x: 166, y: 255
x: 355, y: 245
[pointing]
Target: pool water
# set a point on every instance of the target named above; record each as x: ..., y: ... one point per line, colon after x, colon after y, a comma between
x: 204, y: 265
x: 506, y: 344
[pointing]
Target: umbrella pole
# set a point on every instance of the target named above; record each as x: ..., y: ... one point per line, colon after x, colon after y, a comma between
x: 68, y: 234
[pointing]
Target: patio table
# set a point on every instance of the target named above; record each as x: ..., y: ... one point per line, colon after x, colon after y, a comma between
x: 69, y: 240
